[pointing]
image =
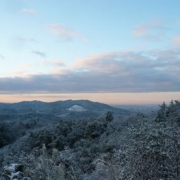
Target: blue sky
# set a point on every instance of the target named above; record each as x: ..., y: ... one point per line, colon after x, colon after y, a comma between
x: 89, y: 49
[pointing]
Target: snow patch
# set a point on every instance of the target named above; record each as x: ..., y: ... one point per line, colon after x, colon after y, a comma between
x: 77, y: 108
x: 12, y: 172
x: 11, y: 167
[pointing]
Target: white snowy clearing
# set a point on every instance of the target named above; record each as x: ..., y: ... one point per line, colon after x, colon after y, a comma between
x: 77, y: 108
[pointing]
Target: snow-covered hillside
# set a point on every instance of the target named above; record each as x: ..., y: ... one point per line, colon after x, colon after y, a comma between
x: 76, y: 108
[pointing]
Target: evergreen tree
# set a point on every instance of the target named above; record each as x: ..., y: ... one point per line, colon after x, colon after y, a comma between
x: 109, y: 116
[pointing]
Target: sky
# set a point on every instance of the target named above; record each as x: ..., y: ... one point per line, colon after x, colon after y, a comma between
x: 115, y: 52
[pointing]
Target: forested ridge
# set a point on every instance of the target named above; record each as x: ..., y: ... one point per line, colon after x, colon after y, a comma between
x: 130, y: 146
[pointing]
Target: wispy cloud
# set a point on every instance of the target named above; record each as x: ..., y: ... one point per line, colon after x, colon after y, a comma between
x: 26, y: 39
x: 65, y: 33
x: 176, y: 41
x: 148, y: 71
x: 22, y: 71
x: 2, y: 57
x: 28, y: 11
x: 58, y: 63
x: 153, y: 30
x: 39, y: 53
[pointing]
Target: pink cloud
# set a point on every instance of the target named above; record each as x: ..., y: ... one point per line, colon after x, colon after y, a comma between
x: 58, y: 63
x: 176, y: 42
x: 145, y: 71
x: 176, y: 39
x: 153, y: 30
x: 64, y: 32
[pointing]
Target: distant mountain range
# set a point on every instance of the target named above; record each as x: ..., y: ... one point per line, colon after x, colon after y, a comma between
x: 69, y: 108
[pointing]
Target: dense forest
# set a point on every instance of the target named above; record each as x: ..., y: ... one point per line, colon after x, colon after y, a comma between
x: 110, y: 146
